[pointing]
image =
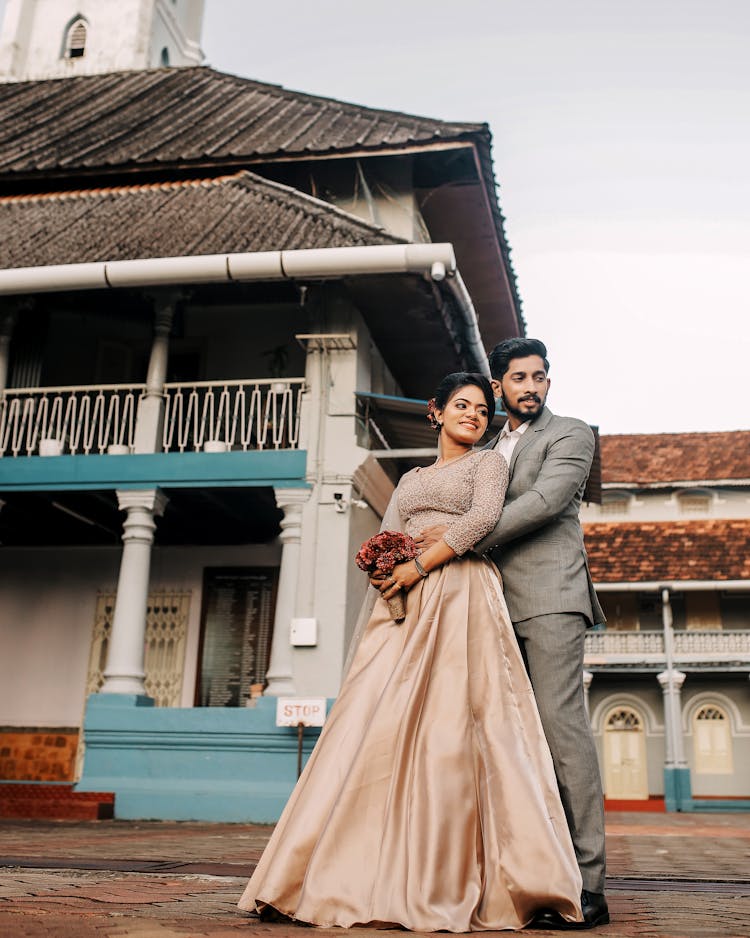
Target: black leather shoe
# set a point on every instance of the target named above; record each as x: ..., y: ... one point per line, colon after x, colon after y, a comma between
x: 595, y: 913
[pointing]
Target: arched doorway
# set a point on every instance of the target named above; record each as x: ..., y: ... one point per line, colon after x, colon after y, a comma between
x: 712, y: 741
x: 625, y: 775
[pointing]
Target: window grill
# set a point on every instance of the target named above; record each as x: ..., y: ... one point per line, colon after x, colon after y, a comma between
x: 624, y: 719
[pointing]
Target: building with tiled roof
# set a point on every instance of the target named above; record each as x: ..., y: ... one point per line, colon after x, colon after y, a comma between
x: 643, y: 459
x: 669, y: 552
x: 222, y: 303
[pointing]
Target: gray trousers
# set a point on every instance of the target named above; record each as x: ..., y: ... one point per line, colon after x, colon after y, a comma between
x: 552, y: 648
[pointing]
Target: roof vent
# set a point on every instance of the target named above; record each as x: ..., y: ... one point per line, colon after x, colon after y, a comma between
x: 75, y: 40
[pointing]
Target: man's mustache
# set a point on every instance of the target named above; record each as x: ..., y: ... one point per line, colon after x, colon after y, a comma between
x: 530, y: 397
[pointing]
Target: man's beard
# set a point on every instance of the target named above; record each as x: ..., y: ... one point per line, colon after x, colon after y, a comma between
x: 525, y: 415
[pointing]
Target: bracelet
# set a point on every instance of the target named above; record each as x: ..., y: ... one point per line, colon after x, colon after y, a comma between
x: 420, y: 569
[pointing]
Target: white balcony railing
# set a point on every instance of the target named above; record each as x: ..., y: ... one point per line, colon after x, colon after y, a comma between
x: 647, y: 648
x: 232, y: 415
x: 207, y: 415
x: 52, y: 421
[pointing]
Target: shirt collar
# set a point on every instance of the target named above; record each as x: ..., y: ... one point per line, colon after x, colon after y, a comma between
x: 520, y: 429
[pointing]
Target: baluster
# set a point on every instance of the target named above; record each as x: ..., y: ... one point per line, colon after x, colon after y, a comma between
x: 263, y: 435
x: 95, y: 420
x: 36, y: 425
x: 128, y: 415
x: 206, y: 415
x: 223, y: 415
x: 83, y: 407
x: 194, y: 408
x: 5, y: 408
x: 294, y: 439
x: 238, y: 417
x: 113, y: 420
x: 254, y: 417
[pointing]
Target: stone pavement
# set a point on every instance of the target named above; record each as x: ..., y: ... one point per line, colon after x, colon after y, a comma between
x: 669, y: 875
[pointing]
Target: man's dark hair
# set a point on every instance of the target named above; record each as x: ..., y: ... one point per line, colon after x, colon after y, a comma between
x: 504, y: 352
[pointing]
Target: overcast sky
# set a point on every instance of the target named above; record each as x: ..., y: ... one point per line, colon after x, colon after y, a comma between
x: 622, y: 150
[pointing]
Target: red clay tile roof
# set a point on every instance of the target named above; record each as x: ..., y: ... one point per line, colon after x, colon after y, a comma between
x: 646, y: 551
x: 230, y: 214
x: 645, y: 459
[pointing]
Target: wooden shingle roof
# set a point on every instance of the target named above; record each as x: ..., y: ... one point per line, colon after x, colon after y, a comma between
x: 193, y: 116
x: 648, y: 459
x: 226, y: 214
x: 649, y: 551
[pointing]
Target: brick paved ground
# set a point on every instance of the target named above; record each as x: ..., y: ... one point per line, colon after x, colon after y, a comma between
x: 670, y: 875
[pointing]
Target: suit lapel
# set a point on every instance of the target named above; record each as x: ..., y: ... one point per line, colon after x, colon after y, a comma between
x: 537, y: 426
x: 493, y: 442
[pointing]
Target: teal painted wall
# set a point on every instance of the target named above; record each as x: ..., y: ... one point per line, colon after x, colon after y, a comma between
x: 153, y: 470
x: 205, y: 764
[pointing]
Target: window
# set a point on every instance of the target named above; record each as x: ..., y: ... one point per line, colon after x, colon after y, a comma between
x: 621, y: 610
x: 702, y: 611
x: 615, y: 503
x: 75, y: 39
x: 164, y: 57
x: 697, y: 502
x: 712, y: 741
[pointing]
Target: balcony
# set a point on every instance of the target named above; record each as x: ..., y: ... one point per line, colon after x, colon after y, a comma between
x: 203, y: 416
x: 710, y: 650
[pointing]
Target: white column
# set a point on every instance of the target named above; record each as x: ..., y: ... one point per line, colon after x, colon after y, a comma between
x: 148, y: 428
x: 671, y: 682
x: 279, y: 674
x: 588, y: 677
x: 124, y: 672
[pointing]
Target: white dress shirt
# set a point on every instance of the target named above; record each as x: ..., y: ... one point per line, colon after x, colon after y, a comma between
x: 508, y: 438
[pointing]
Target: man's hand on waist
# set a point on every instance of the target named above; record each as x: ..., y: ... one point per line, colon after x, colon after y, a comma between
x: 429, y: 536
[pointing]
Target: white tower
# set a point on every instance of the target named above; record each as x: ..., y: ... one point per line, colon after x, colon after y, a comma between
x: 58, y: 38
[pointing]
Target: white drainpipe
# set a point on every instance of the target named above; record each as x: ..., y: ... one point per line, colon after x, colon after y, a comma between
x: 471, y: 322
x: 437, y: 261
x: 674, y: 586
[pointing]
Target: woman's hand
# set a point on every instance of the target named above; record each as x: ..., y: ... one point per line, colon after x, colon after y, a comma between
x: 404, y: 576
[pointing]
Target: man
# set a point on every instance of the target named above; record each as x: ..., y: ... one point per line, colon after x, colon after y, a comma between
x: 538, y: 548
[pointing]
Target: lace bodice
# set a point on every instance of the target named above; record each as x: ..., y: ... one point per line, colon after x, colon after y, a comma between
x: 466, y: 494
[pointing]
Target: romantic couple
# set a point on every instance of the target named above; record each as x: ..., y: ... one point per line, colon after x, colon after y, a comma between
x: 455, y: 786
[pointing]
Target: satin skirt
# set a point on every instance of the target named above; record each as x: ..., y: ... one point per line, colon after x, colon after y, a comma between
x: 429, y: 801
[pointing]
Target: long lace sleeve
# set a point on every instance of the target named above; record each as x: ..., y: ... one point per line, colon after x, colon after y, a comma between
x: 489, y: 484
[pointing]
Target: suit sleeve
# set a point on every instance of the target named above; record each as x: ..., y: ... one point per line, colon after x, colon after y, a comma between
x: 563, y: 472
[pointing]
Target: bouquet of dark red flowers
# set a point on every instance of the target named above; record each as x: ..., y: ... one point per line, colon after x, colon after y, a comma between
x: 381, y: 553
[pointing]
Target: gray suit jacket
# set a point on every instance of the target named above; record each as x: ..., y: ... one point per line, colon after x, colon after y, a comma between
x: 538, y: 542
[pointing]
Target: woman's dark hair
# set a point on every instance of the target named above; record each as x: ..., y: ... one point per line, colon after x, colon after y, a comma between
x: 504, y: 352
x: 451, y: 383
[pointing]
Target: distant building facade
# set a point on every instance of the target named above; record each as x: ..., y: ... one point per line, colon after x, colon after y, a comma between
x: 60, y: 38
x: 670, y: 543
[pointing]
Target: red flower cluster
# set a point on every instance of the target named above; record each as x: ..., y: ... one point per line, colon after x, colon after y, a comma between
x: 431, y: 418
x: 383, y: 551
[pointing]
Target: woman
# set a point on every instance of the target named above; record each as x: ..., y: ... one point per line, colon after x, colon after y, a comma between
x: 430, y: 801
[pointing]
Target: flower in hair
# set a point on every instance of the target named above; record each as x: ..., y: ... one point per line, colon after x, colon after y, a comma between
x: 431, y: 418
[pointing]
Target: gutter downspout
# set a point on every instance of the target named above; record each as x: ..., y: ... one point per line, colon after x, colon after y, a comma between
x: 471, y: 322
x: 435, y: 261
x: 675, y: 586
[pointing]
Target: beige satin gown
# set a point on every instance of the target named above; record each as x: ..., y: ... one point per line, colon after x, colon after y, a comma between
x: 430, y: 801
